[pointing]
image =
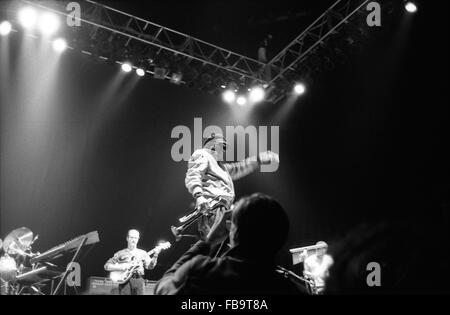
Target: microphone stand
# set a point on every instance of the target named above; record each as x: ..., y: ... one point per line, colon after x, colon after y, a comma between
x: 294, y: 277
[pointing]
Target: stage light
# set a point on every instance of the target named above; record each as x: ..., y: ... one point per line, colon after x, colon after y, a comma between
x: 257, y: 94
x: 411, y: 7
x: 299, y: 89
x: 126, y: 67
x: 27, y: 17
x: 5, y: 28
x: 160, y: 73
x: 176, y: 78
x: 59, y: 45
x: 49, y: 23
x: 229, y: 96
x: 140, y: 72
x: 241, y: 100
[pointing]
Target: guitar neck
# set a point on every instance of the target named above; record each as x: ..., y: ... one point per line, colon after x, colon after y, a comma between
x: 156, y: 248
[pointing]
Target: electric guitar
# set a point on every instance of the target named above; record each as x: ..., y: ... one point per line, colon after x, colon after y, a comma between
x: 121, y: 277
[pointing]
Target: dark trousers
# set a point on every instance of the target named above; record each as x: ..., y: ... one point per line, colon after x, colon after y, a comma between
x: 134, y: 286
x: 206, y: 222
x: 221, y: 215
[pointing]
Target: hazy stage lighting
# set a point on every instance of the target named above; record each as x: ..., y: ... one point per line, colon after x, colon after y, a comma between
x: 49, y: 23
x: 126, y: 67
x: 411, y: 7
x: 299, y: 89
x: 176, y: 78
x: 27, y: 17
x: 229, y: 96
x: 241, y: 100
x: 257, y: 94
x: 140, y: 72
x: 5, y: 28
x: 59, y: 45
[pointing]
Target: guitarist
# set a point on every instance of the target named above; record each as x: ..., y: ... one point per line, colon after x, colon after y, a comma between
x: 122, y: 259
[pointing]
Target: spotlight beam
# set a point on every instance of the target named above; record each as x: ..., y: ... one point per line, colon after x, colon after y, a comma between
x: 140, y: 72
x: 27, y: 17
x: 241, y: 100
x: 5, y: 28
x: 229, y: 96
x: 257, y: 94
x: 49, y: 23
x: 230, y: 62
x: 299, y: 89
x: 411, y: 7
x: 126, y: 67
x: 59, y: 45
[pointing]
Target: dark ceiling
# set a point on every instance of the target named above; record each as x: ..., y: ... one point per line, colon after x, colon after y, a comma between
x: 235, y: 25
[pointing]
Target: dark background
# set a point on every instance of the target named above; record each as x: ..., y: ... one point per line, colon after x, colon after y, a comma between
x: 367, y: 143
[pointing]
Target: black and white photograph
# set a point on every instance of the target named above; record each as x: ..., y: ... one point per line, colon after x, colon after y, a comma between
x: 235, y: 154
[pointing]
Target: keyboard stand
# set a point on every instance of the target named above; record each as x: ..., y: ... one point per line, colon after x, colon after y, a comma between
x: 75, y: 257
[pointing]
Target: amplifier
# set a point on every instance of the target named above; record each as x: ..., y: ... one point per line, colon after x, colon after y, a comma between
x: 105, y: 286
x: 102, y: 286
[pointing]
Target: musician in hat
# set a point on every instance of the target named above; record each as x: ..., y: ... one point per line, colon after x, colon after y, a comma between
x: 209, y: 177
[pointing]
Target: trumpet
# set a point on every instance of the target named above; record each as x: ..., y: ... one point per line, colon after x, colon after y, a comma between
x: 187, y: 220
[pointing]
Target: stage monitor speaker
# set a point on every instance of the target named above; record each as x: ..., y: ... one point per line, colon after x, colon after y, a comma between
x: 105, y: 286
x: 102, y: 286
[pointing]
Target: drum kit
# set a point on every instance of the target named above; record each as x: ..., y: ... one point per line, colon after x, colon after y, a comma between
x: 15, y: 254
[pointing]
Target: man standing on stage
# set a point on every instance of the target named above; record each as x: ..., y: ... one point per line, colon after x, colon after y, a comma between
x: 209, y: 178
x: 122, y: 259
x: 316, y: 267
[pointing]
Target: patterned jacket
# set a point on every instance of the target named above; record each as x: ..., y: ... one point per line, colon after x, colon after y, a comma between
x: 213, y: 179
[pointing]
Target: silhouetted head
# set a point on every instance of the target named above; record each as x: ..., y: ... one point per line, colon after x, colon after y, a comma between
x: 259, y: 225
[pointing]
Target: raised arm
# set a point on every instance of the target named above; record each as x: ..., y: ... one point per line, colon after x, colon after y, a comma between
x: 243, y: 168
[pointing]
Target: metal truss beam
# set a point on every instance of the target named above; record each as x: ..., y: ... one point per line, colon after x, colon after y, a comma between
x: 316, y: 34
x: 225, y: 64
x: 163, y: 38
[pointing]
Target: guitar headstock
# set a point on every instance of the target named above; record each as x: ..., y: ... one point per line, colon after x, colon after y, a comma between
x: 162, y: 246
